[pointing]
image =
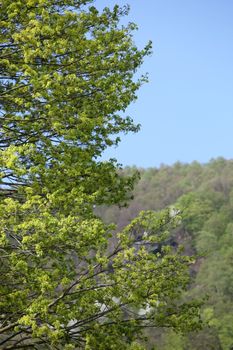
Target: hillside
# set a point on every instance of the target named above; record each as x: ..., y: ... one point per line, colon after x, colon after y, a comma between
x: 204, y: 194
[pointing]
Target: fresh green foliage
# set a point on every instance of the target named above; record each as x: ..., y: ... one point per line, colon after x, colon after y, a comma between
x: 66, y: 282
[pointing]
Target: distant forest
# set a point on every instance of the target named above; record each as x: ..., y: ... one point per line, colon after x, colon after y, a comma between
x: 204, y: 195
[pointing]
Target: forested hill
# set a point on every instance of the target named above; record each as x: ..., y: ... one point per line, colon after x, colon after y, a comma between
x: 204, y: 193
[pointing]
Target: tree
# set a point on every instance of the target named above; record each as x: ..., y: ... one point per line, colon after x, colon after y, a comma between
x: 66, y: 76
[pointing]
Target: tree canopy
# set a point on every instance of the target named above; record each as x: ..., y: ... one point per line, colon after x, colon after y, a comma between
x: 67, y: 76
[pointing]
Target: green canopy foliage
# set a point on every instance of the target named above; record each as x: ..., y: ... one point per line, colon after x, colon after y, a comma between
x: 66, y: 75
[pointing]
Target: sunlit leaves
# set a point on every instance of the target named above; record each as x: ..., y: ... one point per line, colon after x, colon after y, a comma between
x: 68, y: 281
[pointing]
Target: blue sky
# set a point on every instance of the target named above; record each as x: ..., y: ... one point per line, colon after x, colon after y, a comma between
x: 186, y: 109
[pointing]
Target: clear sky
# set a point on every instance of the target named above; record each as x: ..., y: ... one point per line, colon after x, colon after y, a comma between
x: 186, y: 109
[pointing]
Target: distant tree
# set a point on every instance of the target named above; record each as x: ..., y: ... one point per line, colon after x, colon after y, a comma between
x: 66, y: 74
x: 204, y: 194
